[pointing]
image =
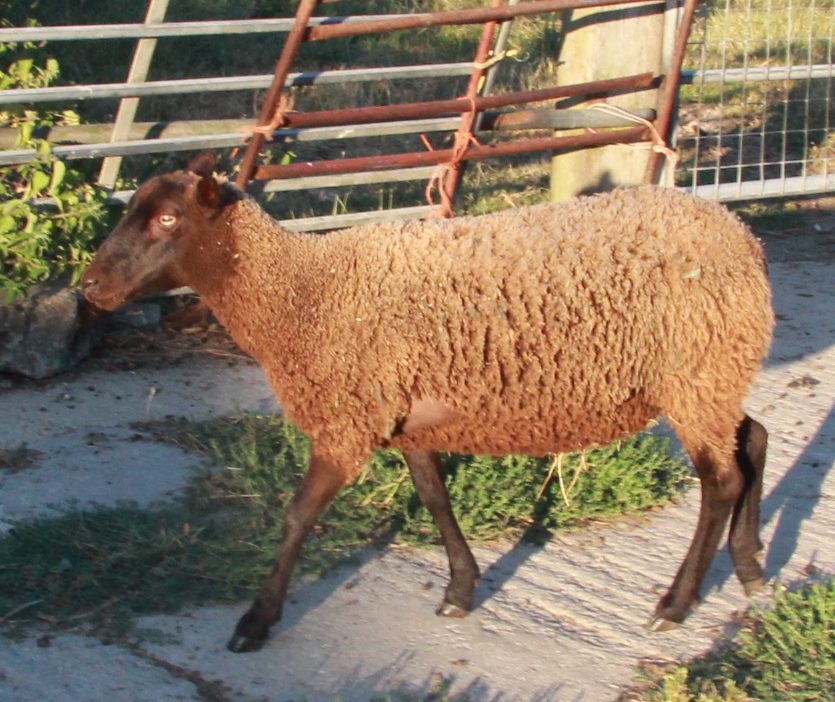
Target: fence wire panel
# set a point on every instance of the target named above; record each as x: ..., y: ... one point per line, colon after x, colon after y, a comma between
x: 756, y: 119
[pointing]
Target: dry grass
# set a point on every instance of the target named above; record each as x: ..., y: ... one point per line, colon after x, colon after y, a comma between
x: 134, y: 348
x: 19, y: 458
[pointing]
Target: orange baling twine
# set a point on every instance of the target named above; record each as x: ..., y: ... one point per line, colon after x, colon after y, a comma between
x: 658, y: 144
x: 285, y: 105
x: 444, y: 171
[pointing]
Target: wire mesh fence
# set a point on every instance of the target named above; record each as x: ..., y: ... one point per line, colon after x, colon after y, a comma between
x: 756, y: 119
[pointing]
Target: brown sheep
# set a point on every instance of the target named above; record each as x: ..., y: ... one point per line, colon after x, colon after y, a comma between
x: 537, y: 330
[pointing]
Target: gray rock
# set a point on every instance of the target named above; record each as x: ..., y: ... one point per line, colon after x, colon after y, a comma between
x: 139, y: 315
x: 47, y: 332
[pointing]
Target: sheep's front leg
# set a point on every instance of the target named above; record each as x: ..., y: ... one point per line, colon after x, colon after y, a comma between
x: 427, y: 474
x: 325, y: 477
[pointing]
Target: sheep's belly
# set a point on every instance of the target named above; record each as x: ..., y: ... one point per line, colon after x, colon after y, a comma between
x: 529, y: 437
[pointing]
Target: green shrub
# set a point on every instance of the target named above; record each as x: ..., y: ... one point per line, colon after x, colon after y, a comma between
x: 492, y: 497
x: 48, y: 239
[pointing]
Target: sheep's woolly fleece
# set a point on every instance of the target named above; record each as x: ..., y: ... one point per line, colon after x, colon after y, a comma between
x: 534, y: 330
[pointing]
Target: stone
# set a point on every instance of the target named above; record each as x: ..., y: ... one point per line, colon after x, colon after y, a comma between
x: 138, y: 315
x: 47, y: 332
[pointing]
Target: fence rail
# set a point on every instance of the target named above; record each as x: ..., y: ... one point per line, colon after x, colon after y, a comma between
x: 157, y: 30
x: 224, y: 84
x: 224, y: 134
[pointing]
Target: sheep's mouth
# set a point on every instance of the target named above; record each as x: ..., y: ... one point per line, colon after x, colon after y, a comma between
x: 104, y: 301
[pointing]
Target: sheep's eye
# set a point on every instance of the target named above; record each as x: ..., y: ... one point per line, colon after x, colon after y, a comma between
x: 167, y: 220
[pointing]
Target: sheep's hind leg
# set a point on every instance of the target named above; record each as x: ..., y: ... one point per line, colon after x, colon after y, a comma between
x: 744, y: 540
x: 322, y: 482
x: 427, y: 474
x: 721, y: 486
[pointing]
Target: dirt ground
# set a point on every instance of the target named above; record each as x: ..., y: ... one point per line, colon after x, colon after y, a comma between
x: 561, y: 622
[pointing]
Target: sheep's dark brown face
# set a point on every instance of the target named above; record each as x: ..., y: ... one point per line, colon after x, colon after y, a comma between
x: 143, y: 254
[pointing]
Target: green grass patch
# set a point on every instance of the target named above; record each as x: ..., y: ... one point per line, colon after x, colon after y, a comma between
x: 769, y: 215
x: 783, y: 654
x: 219, y: 541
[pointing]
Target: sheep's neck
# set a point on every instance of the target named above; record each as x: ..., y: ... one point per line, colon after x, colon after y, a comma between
x: 252, y: 273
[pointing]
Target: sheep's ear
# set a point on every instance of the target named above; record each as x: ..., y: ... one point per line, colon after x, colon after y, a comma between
x: 208, y: 192
x: 203, y: 164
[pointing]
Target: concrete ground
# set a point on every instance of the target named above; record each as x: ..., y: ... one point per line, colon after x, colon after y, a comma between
x: 558, y: 623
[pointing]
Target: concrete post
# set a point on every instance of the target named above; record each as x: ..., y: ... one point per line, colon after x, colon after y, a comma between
x: 603, y: 43
x: 126, y: 113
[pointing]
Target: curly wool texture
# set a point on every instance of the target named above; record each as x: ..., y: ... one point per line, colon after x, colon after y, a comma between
x: 536, y: 330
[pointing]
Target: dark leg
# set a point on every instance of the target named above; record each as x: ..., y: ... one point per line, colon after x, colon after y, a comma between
x: 721, y: 488
x: 427, y: 475
x: 323, y: 481
x: 744, y: 540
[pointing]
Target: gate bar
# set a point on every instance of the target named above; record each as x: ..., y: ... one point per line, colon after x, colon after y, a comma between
x: 448, y: 185
x: 435, y: 108
x: 669, y: 89
x: 474, y: 153
x: 285, y: 62
x: 477, y: 15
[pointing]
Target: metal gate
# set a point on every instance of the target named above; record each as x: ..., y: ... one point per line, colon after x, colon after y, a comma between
x: 755, y: 116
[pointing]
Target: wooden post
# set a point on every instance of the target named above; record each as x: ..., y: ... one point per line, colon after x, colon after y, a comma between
x: 127, y: 106
x: 605, y: 43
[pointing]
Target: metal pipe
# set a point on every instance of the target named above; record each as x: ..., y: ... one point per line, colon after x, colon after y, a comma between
x: 474, y: 153
x: 575, y: 118
x: 294, y: 40
x: 190, y: 136
x: 449, y: 186
x: 757, y: 73
x: 434, y: 108
x: 342, y: 180
x: 259, y: 81
x: 228, y: 83
x: 81, y: 32
x: 501, y: 43
x: 669, y: 88
x: 456, y: 17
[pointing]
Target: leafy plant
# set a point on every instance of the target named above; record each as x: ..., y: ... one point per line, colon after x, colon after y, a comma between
x: 41, y: 240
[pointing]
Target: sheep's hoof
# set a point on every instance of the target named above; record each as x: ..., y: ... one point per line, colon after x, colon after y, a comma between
x: 244, y: 644
x: 251, y: 632
x: 751, y: 586
x: 659, y: 624
x: 669, y: 617
x: 447, y: 609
